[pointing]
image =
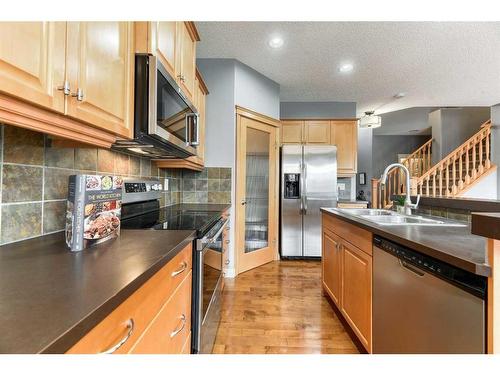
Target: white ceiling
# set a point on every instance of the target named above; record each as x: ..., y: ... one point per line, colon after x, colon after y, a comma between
x: 434, y: 63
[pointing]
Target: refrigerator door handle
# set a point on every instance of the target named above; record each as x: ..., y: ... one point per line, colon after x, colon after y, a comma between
x: 304, y: 191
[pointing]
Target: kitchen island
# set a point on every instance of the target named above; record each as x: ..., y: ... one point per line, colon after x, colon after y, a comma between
x: 361, y: 283
x: 50, y: 298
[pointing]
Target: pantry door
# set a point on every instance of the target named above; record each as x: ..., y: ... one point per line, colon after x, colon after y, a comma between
x: 256, y: 190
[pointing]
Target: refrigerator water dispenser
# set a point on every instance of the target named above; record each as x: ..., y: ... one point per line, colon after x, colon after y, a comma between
x: 292, y: 186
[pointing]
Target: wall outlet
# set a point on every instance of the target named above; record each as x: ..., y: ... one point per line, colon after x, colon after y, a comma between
x: 341, y: 187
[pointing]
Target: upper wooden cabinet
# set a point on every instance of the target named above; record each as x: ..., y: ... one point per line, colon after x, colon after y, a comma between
x: 341, y: 133
x: 291, y: 131
x: 83, y: 70
x: 174, y: 44
x: 344, y: 135
x: 32, y: 61
x: 100, y: 72
x: 317, y: 132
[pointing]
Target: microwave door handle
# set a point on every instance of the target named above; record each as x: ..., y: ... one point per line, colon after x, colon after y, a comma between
x: 152, y: 72
x: 187, y: 130
x: 195, y: 141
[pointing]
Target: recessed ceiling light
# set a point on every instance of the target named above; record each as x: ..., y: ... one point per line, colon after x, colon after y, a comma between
x: 346, y: 68
x: 276, y: 42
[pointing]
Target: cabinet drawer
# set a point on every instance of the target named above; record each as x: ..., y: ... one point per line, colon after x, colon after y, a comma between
x: 170, y: 329
x: 141, y: 307
x: 348, y: 232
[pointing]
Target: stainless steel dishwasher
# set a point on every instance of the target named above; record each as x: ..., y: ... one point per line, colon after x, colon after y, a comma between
x: 423, y: 305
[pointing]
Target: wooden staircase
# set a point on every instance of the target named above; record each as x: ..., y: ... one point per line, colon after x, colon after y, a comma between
x: 451, y: 177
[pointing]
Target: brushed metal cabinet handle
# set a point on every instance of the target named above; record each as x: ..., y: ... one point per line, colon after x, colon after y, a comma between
x: 183, y: 324
x: 65, y: 88
x: 180, y: 270
x: 119, y: 344
x: 78, y: 94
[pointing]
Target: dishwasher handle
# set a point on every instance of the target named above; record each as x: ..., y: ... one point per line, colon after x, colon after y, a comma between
x: 411, y: 269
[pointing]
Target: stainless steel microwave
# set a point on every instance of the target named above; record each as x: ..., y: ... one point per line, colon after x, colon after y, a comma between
x: 165, y: 120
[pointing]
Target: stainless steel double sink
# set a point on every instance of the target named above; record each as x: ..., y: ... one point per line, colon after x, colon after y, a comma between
x: 386, y: 217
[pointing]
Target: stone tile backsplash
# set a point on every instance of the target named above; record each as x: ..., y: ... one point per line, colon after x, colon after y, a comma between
x: 34, y: 181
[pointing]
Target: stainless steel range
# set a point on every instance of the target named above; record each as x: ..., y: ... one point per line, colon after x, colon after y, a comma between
x: 141, y: 210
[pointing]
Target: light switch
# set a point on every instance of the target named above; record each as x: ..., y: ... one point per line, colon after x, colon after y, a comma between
x: 166, y: 184
x: 341, y: 187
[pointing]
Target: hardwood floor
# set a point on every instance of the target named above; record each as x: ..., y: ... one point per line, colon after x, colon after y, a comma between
x: 280, y: 308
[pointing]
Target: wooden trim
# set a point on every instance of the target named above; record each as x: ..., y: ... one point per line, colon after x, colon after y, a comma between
x: 245, y: 112
x: 493, y: 308
x: 178, y: 164
x: 142, y: 37
x: 201, y: 82
x: 241, y: 186
x: 319, y: 119
x: 18, y: 113
x: 190, y: 26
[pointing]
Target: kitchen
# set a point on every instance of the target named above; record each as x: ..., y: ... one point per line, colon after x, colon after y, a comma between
x: 225, y: 201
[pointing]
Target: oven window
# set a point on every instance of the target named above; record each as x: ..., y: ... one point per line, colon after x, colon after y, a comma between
x: 171, y: 109
x: 212, y: 270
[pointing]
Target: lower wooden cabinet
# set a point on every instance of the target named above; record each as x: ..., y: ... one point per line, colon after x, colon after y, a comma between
x: 154, y: 319
x: 347, y: 274
x: 356, y: 294
x: 331, y: 266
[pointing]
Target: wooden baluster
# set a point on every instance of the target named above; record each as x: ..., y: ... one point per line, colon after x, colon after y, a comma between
x: 473, y: 174
x: 434, y: 184
x: 447, y: 178
x: 454, y: 175
x: 467, y: 161
x: 460, y: 170
x: 481, y: 167
x: 375, y: 192
x: 429, y: 161
x: 441, y: 180
x: 487, y: 163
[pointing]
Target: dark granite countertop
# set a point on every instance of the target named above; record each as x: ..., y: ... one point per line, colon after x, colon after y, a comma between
x: 486, y: 224
x: 51, y: 297
x: 454, y: 245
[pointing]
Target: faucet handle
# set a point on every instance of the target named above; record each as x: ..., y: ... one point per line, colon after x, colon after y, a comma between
x: 415, y: 205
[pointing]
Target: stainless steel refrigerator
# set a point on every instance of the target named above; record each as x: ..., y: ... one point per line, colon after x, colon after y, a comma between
x: 308, y: 182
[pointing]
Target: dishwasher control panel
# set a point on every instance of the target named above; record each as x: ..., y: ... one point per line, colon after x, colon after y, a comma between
x: 473, y: 283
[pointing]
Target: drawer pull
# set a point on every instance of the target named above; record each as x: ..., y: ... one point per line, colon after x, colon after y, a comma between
x: 119, y: 344
x: 183, y: 324
x: 184, y: 266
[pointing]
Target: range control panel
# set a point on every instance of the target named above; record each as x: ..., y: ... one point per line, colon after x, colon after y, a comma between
x: 141, y: 187
x: 466, y: 280
x: 141, y: 190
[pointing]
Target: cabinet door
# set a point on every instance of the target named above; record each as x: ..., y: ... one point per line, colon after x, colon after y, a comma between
x: 331, y: 265
x: 187, y: 60
x: 357, y: 291
x: 32, y: 59
x: 100, y: 66
x: 164, y: 38
x: 317, y: 132
x: 344, y: 135
x: 291, y: 131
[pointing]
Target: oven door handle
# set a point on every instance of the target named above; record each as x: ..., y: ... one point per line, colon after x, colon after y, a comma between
x: 207, y: 240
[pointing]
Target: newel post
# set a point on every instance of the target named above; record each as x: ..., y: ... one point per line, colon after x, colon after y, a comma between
x: 375, y: 193
x: 413, y: 185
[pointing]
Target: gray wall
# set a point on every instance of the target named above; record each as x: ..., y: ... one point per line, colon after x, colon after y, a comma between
x: 232, y: 83
x: 317, y: 110
x: 405, y: 122
x: 219, y: 76
x: 452, y: 126
x: 255, y: 91
x: 365, y: 158
x: 387, y: 147
x: 495, y: 141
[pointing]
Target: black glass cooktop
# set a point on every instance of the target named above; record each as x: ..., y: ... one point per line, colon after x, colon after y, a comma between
x: 168, y: 219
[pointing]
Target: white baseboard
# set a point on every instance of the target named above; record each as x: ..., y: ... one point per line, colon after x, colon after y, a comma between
x: 230, y: 273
